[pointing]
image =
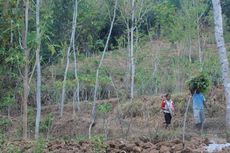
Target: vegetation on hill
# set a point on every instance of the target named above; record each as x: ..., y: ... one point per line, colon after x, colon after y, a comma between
x: 157, y: 45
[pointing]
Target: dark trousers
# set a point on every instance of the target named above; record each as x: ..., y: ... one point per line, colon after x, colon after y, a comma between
x: 168, y: 118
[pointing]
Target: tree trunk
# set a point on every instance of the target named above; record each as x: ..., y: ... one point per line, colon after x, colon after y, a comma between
x: 128, y: 73
x: 67, y: 56
x: 93, y: 114
x: 131, y: 54
x: 198, y: 42
x: 26, y: 72
x: 76, y: 91
x: 222, y: 55
x: 38, y: 84
x: 190, y: 47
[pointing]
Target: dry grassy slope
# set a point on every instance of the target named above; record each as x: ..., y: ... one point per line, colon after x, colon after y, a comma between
x: 133, y: 127
x: 141, y: 117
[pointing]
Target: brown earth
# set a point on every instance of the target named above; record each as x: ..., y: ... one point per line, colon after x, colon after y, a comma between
x: 143, y: 145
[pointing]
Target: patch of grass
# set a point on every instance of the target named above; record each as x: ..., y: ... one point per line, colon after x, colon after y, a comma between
x: 132, y: 109
x: 12, y: 149
x: 163, y: 135
x: 79, y: 138
x: 46, y: 122
x: 39, y: 145
x: 98, y: 144
x: 2, y: 137
x: 5, y: 123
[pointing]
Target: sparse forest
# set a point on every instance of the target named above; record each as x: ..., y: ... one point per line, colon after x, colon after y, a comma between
x: 89, y: 75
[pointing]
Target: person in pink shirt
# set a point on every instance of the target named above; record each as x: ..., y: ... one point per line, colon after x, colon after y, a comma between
x: 167, y: 106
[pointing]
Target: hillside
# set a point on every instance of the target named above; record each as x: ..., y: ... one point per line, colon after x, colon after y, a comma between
x: 107, y: 76
x: 125, y: 124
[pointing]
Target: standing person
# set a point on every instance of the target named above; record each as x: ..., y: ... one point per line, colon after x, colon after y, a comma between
x: 198, y: 103
x: 167, y: 106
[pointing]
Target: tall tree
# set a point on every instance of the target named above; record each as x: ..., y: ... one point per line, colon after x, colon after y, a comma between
x: 132, y: 13
x: 76, y: 90
x: 190, y: 16
x: 26, y: 70
x: 132, y: 50
x: 222, y: 55
x: 38, y: 69
x: 93, y: 113
x: 68, y: 54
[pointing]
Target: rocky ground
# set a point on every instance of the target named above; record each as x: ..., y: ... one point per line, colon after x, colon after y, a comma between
x: 143, y: 145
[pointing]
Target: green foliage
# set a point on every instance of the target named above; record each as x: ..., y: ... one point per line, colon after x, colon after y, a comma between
x: 98, y: 144
x: 91, y: 78
x: 198, y: 83
x: 225, y: 7
x: 8, y: 99
x: 31, y: 117
x: 2, y: 137
x: 46, y: 123
x: 39, y: 145
x: 165, y: 16
x: 211, y: 67
x: 79, y: 138
x: 104, y: 107
x: 12, y: 149
x: 58, y: 85
x: 5, y: 123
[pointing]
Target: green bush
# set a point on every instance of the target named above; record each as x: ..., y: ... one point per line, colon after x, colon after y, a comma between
x: 45, y: 124
x: 39, y: 145
x: 5, y: 123
x: 104, y: 107
x: 2, y: 137
x: 98, y: 144
x: 12, y: 149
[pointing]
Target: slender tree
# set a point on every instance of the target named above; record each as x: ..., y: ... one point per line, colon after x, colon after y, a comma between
x: 38, y: 69
x: 132, y: 13
x: 68, y: 54
x: 76, y: 91
x: 132, y: 50
x: 93, y: 114
x: 26, y: 70
x: 125, y: 14
x: 222, y: 55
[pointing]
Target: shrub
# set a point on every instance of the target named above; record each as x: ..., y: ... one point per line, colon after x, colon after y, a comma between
x: 5, y: 124
x: 12, y: 149
x: 104, y: 107
x: 132, y: 109
x: 39, y: 145
x: 98, y: 144
x: 46, y: 123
